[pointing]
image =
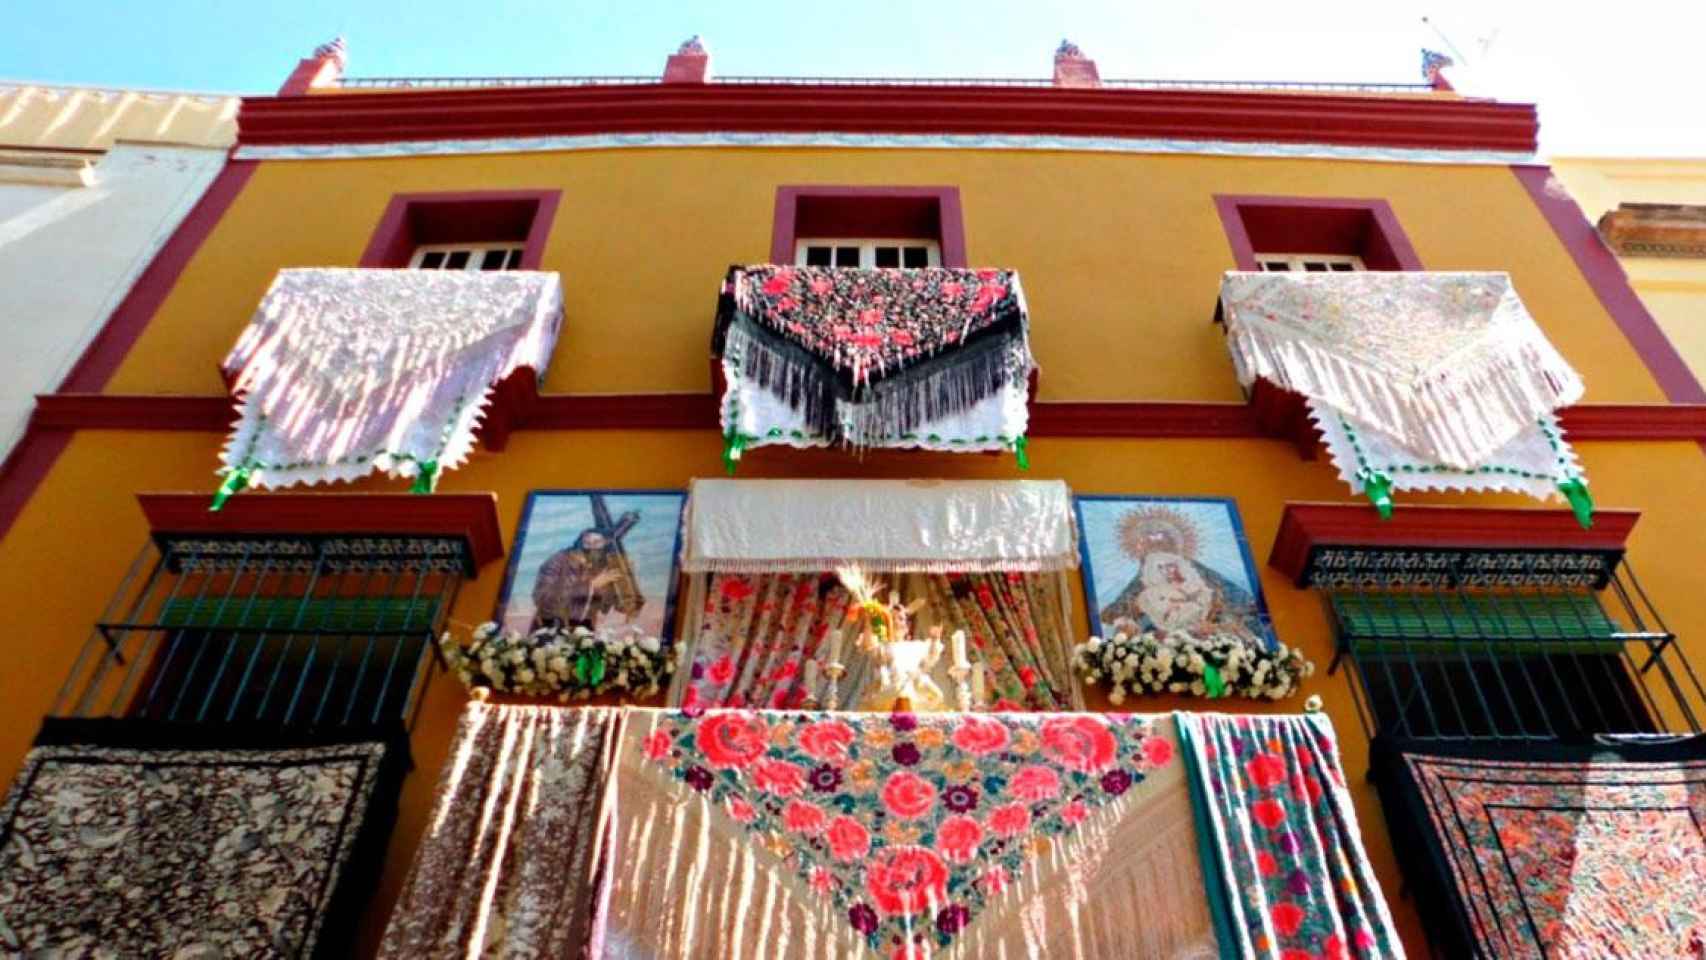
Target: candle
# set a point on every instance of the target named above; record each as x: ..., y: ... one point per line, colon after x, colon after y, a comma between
x: 959, y: 639
x: 811, y: 678
x: 977, y: 685
x: 835, y: 647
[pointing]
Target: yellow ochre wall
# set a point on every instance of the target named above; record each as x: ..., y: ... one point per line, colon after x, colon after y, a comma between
x: 1120, y: 257
x: 1673, y: 288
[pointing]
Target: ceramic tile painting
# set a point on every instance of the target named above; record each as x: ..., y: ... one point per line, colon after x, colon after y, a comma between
x: 1169, y: 565
x: 598, y: 558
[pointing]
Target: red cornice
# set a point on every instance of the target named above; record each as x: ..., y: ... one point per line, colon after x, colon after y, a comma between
x: 472, y: 517
x: 698, y: 411
x: 1414, y: 122
x: 1304, y: 526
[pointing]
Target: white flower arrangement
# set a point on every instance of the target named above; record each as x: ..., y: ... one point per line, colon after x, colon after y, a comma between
x: 560, y: 662
x: 1222, y: 664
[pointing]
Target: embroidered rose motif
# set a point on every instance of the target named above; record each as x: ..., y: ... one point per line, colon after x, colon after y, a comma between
x: 1034, y: 783
x: 863, y: 918
x: 826, y: 740
x: 952, y: 919
x: 905, y: 880
x: 994, y: 879
x: 657, y: 745
x: 722, y: 671
x: 779, y: 282
x: 1074, y: 813
x: 1287, y: 917
x: 1157, y: 750
x: 698, y: 778
x: 1268, y: 813
x: 1265, y: 770
x: 802, y: 817
x: 822, y: 881
x: 906, y: 754
x: 980, y: 735
x: 1080, y: 742
x: 903, y: 722
x: 957, y: 839
x: 779, y: 777
x: 1010, y: 820
x: 1266, y: 864
x: 1116, y: 782
x: 740, y: 810
x: 848, y: 839
x: 732, y: 739
x: 908, y: 795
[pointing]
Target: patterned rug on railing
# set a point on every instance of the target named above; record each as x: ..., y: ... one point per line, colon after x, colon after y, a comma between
x: 1526, y: 850
x: 743, y: 835
x: 130, y: 838
x: 937, y: 358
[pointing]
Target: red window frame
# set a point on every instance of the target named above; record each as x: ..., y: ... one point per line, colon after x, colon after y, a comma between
x: 908, y: 213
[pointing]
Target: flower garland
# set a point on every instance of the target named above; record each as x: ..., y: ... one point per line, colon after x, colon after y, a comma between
x: 560, y: 662
x: 1222, y: 664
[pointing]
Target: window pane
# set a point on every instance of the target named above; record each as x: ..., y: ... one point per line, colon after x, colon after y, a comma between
x: 1343, y: 267
x: 817, y: 257
x: 458, y: 260
x: 888, y: 256
x: 514, y: 261
x: 917, y: 257
x: 1276, y: 266
x: 493, y: 259
x: 1314, y: 266
x: 847, y: 256
x: 432, y: 260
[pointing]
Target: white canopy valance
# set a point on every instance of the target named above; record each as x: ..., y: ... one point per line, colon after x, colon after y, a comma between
x: 346, y: 371
x: 758, y: 526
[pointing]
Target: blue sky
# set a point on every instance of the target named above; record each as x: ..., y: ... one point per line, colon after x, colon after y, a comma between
x: 1610, y: 78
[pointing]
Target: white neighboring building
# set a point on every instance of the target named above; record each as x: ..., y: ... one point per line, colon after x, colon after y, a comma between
x: 92, y: 184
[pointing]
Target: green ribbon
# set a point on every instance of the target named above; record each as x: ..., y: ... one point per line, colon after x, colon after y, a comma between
x: 1581, y: 501
x: 1377, y: 487
x: 426, y: 478
x: 589, y: 667
x: 733, y: 444
x: 1212, y: 681
x: 1020, y: 454
x: 234, y: 481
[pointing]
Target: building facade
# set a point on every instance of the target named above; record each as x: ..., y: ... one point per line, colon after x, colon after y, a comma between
x: 1150, y: 227
x: 92, y: 185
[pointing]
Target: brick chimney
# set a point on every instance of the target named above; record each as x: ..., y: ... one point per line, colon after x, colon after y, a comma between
x: 1072, y: 68
x: 688, y: 64
x: 323, y: 69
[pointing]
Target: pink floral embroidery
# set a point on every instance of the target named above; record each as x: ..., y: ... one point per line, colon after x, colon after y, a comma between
x: 1157, y: 751
x: 740, y: 809
x: 908, y: 796
x: 1269, y: 813
x: 905, y: 880
x: 826, y: 740
x: 823, y: 881
x: 957, y: 839
x: 1079, y: 741
x: 1074, y: 813
x: 721, y: 671
x: 980, y: 735
x: 1010, y: 820
x: 732, y: 739
x: 779, y: 777
x: 802, y: 817
x: 848, y: 839
x: 658, y: 743
x: 1265, y: 770
x: 1035, y: 782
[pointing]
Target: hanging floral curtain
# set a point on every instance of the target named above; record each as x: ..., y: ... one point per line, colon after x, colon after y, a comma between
x: 509, y: 865
x: 1014, y: 623
x: 1282, y: 843
x: 757, y: 634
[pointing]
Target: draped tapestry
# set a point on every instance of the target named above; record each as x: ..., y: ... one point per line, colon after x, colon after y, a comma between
x: 1548, y: 850
x: 140, y: 839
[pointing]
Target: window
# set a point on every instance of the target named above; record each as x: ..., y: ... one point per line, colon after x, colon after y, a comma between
x: 294, y: 630
x: 869, y: 227
x: 1315, y: 234
x: 868, y: 254
x: 477, y: 230
x: 1308, y: 262
x: 467, y: 256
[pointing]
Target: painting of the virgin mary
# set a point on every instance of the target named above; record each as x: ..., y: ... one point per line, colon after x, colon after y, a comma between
x: 1158, y: 566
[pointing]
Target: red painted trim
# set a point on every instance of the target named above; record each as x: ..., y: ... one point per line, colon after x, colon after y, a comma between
x: 310, y: 72
x: 124, y: 327
x: 401, y: 226
x: 1306, y: 525
x: 1389, y: 242
x: 1448, y: 123
x: 109, y: 411
x: 470, y: 516
x: 1604, y: 274
x: 698, y: 411
x: 951, y: 235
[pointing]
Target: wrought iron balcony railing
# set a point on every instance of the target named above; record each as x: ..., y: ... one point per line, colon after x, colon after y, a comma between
x: 293, y: 630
